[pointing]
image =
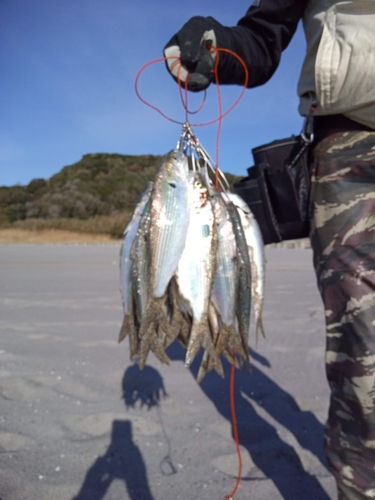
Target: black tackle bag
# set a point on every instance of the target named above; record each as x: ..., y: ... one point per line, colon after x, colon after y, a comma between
x: 277, y: 189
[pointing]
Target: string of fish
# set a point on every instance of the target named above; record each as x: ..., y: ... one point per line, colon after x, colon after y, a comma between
x: 191, y: 264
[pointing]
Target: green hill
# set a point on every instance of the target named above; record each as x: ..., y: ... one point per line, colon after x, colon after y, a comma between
x: 95, y: 194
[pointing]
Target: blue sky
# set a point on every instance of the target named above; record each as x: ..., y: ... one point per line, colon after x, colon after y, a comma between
x: 67, y: 70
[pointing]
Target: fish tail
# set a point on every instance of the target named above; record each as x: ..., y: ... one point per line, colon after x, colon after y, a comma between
x: 128, y: 328
x: 179, y: 324
x: 203, y: 369
x: 200, y: 337
x: 241, y: 350
x: 151, y: 342
x: 259, y: 327
x: 225, y: 335
x: 209, y: 363
x: 244, y: 353
x: 231, y: 357
x: 153, y: 324
x: 124, y: 330
x: 229, y: 342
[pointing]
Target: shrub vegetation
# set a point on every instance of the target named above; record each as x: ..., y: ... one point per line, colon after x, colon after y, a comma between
x: 94, y: 195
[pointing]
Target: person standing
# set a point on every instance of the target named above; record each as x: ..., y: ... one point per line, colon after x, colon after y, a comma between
x: 338, y: 73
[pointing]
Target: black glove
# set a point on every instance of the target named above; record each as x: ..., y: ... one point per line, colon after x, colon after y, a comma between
x: 192, y: 44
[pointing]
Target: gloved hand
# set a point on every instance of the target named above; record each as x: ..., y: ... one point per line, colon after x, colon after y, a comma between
x: 192, y: 44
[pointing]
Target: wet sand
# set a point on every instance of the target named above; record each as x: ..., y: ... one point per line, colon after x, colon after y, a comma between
x: 79, y: 421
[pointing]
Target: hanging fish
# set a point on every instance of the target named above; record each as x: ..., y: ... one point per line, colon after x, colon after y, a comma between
x: 225, y: 286
x: 243, y: 301
x: 126, y: 264
x: 196, y: 268
x: 192, y: 262
x: 139, y: 256
x: 257, y: 258
x: 169, y: 220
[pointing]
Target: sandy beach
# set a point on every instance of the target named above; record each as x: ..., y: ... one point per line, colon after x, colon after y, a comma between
x: 79, y: 421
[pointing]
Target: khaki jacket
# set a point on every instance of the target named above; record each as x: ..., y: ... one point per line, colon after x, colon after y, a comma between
x: 339, y: 67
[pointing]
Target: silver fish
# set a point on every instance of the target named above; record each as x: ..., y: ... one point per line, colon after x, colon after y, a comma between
x: 139, y: 256
x: 129, y: 237
x: 126, y: 264
x: 243, y: 302
x: 257, y: 258
x: 195, y: 271
x: 225, y: 287
x: 169, y: 220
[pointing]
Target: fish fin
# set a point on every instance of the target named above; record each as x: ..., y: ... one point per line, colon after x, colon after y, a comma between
x: 128, y: 328
x: 200, y: 336
x: 236, y: 345
x: 185, y: 331
x: 209, y: 363
x: 224, y: 337
x: 259, y: 327
x: 180, y: 325
x: 183, y: 340
x: 180, y: 331
x: 203, y: 368
x: 151, y: 328
x: 231, y: 357
x: 244, y: 353
x: 229, y: 341
x: 123, y: 331
x: 151, y: 342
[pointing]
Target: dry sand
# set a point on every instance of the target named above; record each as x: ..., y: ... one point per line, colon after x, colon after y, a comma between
x: 79, y: 421
x: 15, y: 235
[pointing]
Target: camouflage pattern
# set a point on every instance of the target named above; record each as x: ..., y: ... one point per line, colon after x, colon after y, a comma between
x: 343, y: 240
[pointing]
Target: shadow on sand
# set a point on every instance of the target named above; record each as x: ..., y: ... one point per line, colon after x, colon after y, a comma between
x: 123, y: 459
x: 275, y: 458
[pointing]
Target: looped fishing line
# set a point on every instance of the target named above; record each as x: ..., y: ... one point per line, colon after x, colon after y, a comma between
x: 178, y: 122
x: 218, y: 120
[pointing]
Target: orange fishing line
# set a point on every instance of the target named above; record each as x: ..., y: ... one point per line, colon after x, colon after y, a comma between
x: 218, y: 120
x: 216, y: 74
x: 154, y: 61
x: 235, y: 433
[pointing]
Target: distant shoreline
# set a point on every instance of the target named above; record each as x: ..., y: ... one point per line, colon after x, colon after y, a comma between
x: 48, y: 236
x: 11, y: 236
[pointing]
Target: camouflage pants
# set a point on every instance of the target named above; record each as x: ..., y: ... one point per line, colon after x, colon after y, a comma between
x: 343, y: 241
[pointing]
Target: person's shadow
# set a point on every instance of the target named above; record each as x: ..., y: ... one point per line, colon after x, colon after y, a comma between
x: 274, y: 457
x: 122, y: 460
x: 271, y: 455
